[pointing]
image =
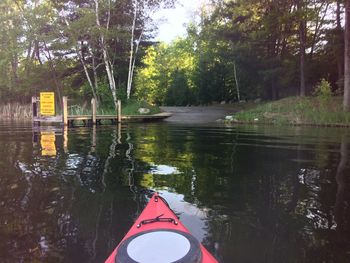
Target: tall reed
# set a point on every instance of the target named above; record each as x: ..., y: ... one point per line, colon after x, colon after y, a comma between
x: 15, y: 111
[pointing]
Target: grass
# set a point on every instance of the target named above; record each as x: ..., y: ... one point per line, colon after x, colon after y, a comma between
x: 15, y: 111
x: 297, y: 111
x: 131, y: 108
x: 78, y: 110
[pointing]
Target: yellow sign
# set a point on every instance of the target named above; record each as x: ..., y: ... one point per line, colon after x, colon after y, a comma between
x: 47, y: 103
x: 48, y: 146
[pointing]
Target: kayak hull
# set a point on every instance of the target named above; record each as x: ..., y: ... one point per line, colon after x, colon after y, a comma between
x: 156, y: 208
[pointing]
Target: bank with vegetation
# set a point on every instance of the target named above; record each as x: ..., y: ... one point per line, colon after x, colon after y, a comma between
x: 321, y: 109
x: 233, y: 51
x: 296, y: 111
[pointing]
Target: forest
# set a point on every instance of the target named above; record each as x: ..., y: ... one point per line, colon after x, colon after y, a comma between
x: 234, y: 50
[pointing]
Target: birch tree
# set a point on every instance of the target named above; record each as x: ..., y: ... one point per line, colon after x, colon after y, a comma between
x: 132, y: 54
x: 236, y: 80
x: 145, y: 9
x: 103, y: 30
x: 93, y: 81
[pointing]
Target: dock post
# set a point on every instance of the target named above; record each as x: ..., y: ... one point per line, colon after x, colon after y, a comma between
x: 65, y: 110
x: 34, y: 110
x: 93, y: 106
x: 93, y: 141
x: 34, y: 107
x: 65, y: 139
x: 119, y: 138
x: 119, y: 111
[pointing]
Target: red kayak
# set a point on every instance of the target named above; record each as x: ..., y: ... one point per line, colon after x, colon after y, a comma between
x: 158, y: 237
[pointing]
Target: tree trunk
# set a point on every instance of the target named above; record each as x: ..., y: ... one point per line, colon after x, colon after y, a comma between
x: 37, y: 51
x: 318, y: 27
x: 341, y: 184
x: 134, y: 59
x: 346, y: 100
x: 339, y: 51
x: 57, y: 81
x: 110, y: 75
x: 338, y: 14
x: 14, y: 65
x: 28, y: 60
x: 302, y: 38
x: 94, y: 69
x: 236, y: 80
x: 86, y: 71
x: 128, y: 88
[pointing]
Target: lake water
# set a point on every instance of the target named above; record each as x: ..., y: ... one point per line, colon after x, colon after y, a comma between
x: 249, y: 194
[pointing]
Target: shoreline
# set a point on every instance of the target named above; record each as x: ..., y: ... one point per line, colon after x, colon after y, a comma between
x: 284, y: 112
x: 324, y: 125
x: 295, y: 111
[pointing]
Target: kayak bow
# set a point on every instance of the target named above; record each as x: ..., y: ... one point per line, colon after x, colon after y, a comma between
x: 157, y: 236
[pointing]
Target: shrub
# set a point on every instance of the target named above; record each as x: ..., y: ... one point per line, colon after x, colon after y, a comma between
x: 323, y: 92
x: 323, y: 89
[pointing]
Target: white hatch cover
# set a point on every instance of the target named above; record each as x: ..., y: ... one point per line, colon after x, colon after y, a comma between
x: 159, y: 246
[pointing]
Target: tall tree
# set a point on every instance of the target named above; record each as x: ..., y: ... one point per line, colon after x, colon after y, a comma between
x: 133, y: 51
x: 338, y: 52
x: 143, y: 10
x: 82, y: 43
x: 103, y: 45
x: 346, y: 100
x: 11, y: 32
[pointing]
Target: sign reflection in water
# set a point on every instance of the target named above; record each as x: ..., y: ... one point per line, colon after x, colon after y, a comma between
x: 47, y: 141
x: 277, y: 194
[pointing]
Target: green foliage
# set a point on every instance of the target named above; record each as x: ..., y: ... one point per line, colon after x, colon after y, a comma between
x: 132, y: 107
x: 323, y: 89
x: 52, y: 45
x: 178, y: 92
x: 260, y: 38
x: 296, y: 111
x: 104, y: 93
x: 323, y: 92
x: 166, y: 69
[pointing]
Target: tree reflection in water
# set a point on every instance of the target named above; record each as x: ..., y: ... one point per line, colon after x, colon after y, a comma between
x: 248, y: 193
x: 341, y: 208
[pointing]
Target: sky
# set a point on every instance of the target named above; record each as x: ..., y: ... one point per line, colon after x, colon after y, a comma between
x: 172, y: 22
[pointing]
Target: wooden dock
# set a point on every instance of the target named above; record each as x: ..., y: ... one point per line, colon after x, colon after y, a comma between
x: 88, y: 119
x: 93, y: 119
